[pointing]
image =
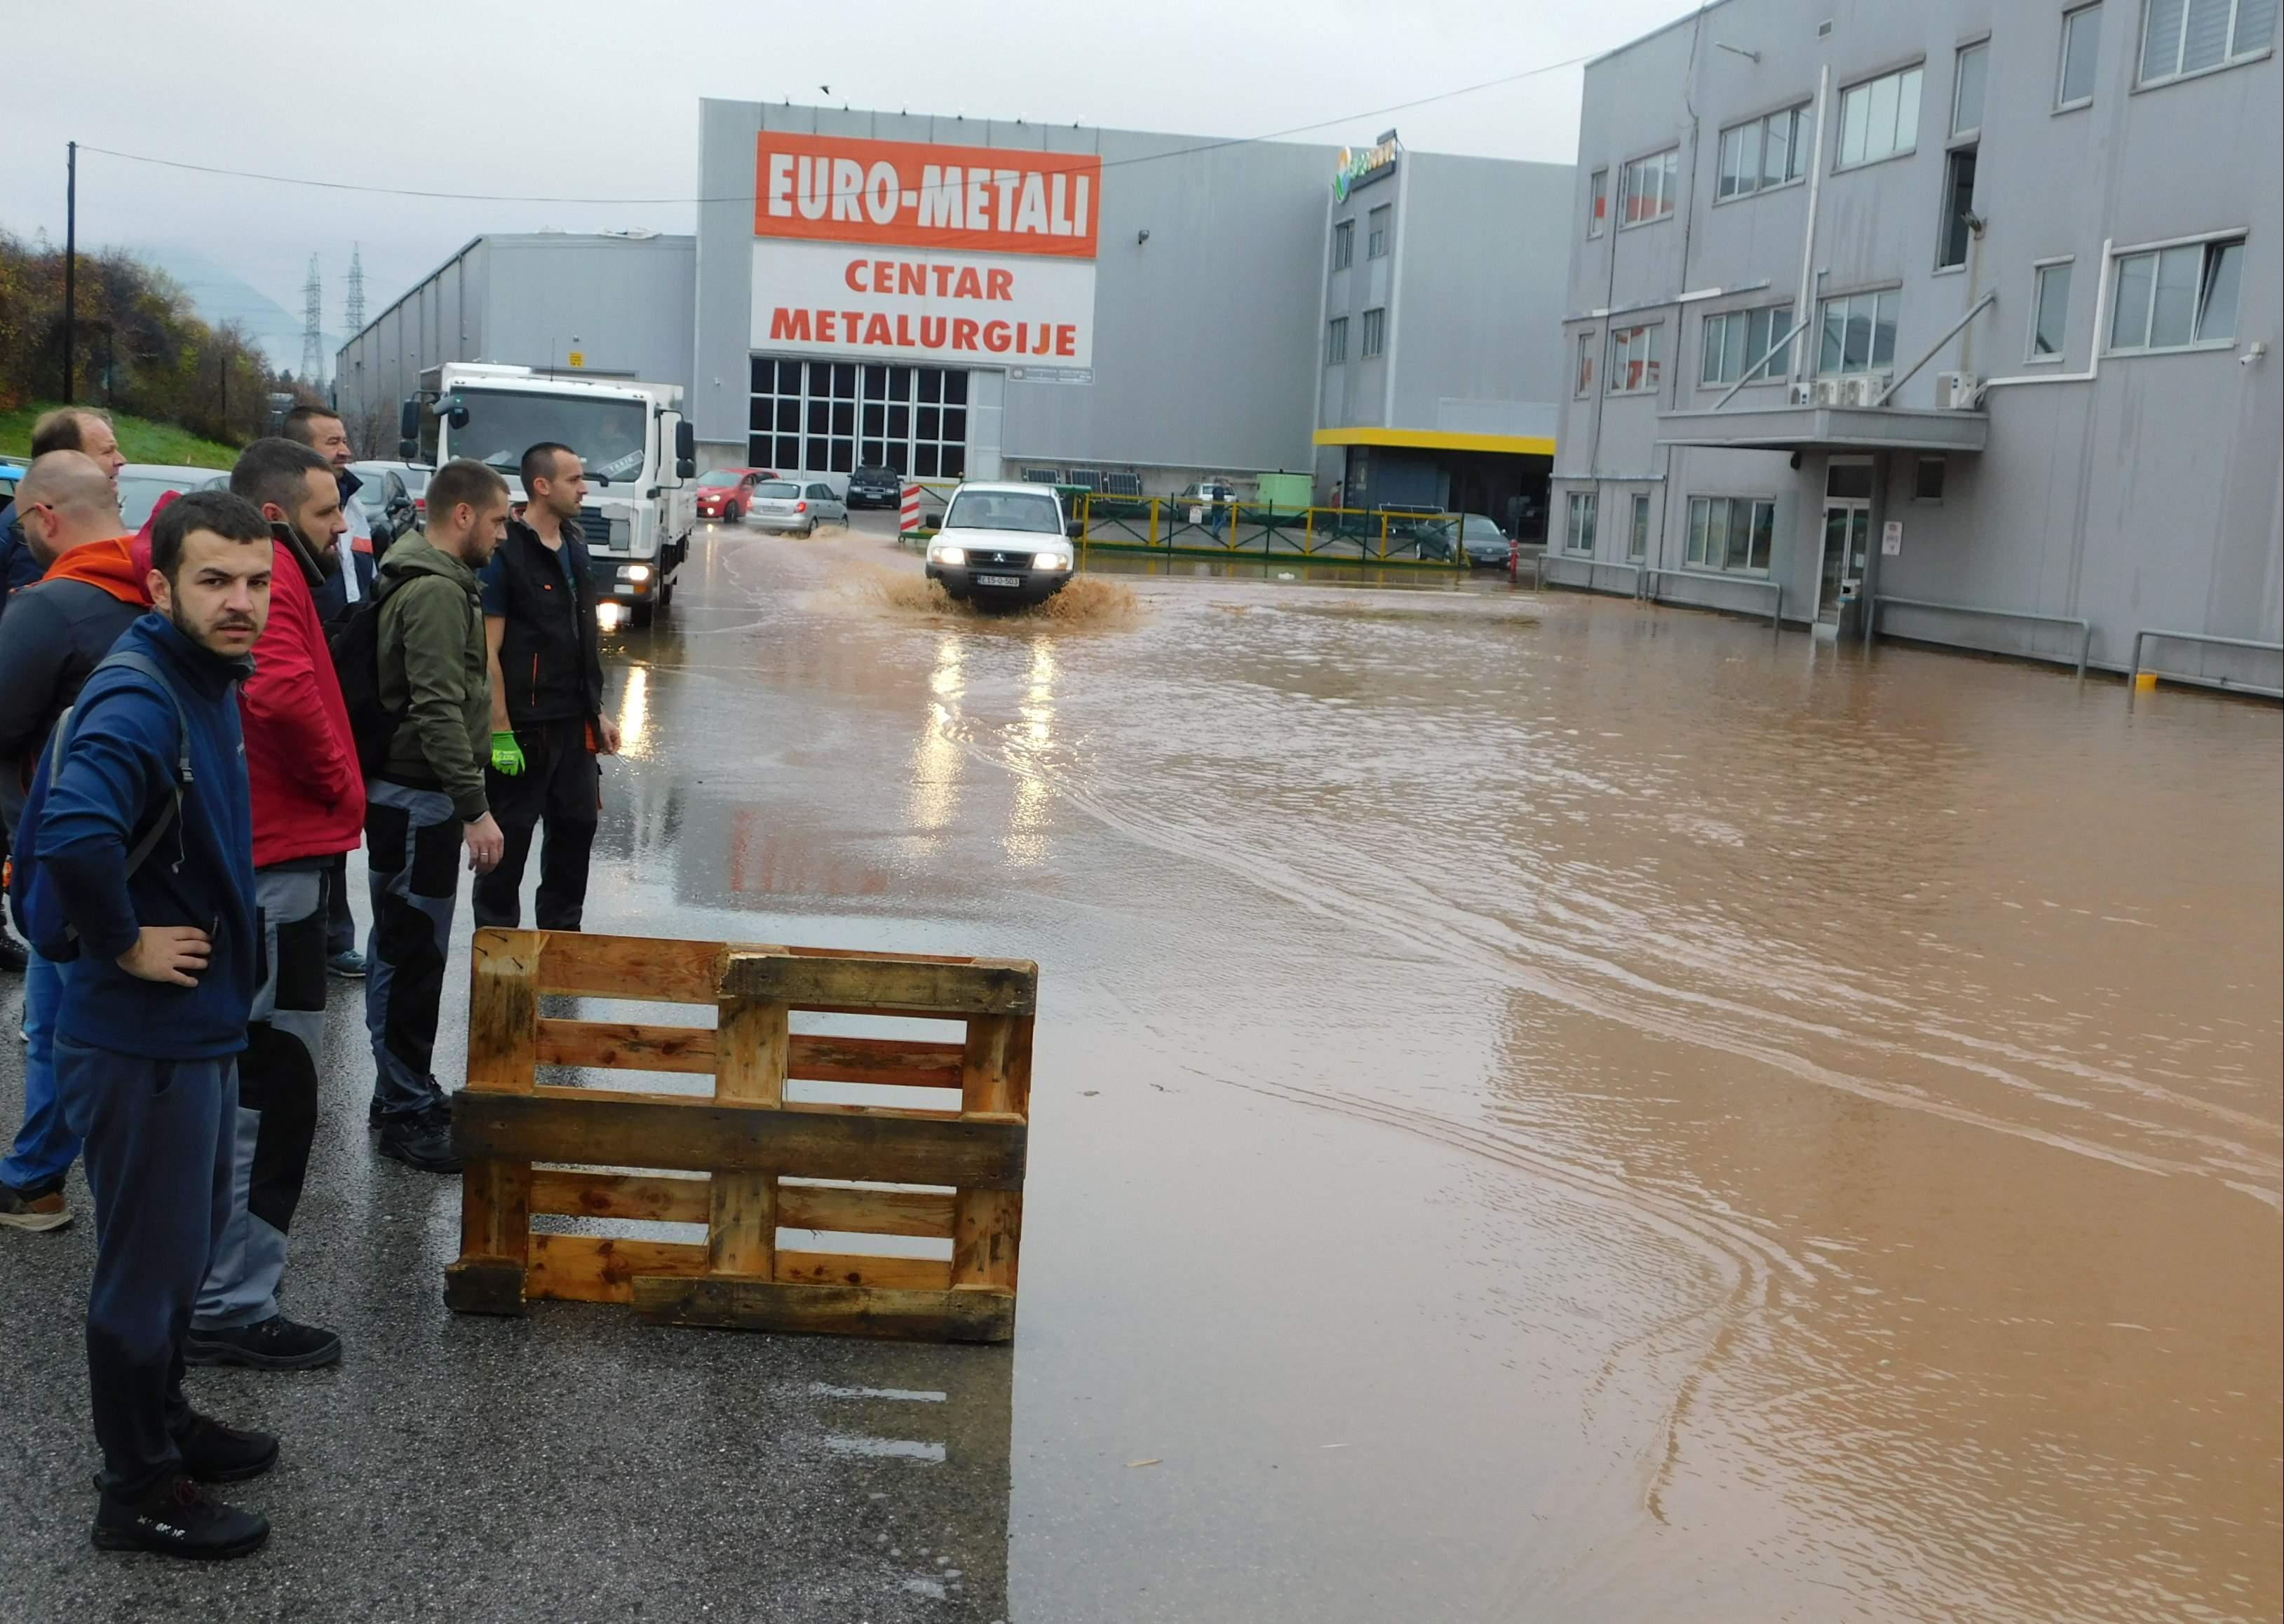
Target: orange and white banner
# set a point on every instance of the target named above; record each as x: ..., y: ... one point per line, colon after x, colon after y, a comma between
x: 954, y: 309
x: 912, y: 194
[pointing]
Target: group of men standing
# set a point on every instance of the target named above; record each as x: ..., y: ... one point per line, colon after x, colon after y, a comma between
x: 183, y: 779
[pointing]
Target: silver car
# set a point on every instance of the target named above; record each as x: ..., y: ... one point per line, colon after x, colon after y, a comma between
x: 799, y: 505
x: 142, y: 484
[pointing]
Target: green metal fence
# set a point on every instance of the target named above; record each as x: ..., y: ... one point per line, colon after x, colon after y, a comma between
x: 1165, y: 528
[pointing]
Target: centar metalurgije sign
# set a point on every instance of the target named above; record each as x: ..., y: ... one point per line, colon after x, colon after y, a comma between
x: 909, y: 250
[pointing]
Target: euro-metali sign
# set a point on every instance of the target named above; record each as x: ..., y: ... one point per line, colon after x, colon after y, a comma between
x: 1375, y: 162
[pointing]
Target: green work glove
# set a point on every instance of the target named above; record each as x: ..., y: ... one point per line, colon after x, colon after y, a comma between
x: 507, y: 755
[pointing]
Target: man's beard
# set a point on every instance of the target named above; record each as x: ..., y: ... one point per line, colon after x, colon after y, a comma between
x: 175, y: 613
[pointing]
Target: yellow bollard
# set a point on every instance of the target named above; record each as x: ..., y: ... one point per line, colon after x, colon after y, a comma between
x: 2145, y: 682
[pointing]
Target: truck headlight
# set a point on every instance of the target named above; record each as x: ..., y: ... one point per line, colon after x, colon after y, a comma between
x: 948, y: 555
x: 636, y: 573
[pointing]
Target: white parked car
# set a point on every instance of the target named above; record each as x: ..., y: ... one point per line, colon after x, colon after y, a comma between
x: 1002, y: 545
x: 799, y: 505
x: 142, y: 484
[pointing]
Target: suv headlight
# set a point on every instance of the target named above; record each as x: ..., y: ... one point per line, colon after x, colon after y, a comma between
x: 948, y: 555
x: 1051, y: 560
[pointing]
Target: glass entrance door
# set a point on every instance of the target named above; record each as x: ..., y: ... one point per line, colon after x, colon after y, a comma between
x: 1847, y: 549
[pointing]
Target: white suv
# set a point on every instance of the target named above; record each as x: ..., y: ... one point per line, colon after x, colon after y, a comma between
x: 1002, y: 545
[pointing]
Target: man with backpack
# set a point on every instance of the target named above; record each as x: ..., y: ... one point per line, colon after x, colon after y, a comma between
x: 309, y: 807
x: 414, y: 668
x: 136, y: 862
x: 56, y: 631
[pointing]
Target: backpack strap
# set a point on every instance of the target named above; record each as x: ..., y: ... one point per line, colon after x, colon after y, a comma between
x: 143, y: 666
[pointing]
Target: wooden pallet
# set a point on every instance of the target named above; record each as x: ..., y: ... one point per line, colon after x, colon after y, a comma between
x: 746, y: 1137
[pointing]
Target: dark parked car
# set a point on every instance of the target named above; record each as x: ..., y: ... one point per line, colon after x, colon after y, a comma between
x: 876, y: 487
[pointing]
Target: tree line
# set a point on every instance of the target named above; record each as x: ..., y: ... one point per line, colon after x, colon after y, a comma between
x: 137, y: 345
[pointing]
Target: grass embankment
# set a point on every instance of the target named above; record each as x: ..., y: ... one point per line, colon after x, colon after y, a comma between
x: 140, y: 440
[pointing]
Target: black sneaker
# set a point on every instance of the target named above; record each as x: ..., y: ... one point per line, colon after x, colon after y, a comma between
x: 274, y: 1344
x: 213, y: 1453
x: 424, y: 1142
x: 178, y: 1518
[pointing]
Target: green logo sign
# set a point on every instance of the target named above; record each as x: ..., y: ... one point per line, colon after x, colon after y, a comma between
x: 1362, y: 168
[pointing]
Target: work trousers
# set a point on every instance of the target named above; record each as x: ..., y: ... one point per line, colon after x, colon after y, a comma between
x: 412, y: 842
x: 340, y: 924
x: 159, y: 1154
x: 45, y: 1146
x: 277, y: 1117
x: 560, y: 790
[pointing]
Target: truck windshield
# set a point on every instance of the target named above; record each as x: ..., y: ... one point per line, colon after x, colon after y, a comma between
x: 1003, y: 509
x: 503, y: 425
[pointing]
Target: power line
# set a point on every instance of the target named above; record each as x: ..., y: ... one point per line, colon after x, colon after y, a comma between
x: 496, y: 197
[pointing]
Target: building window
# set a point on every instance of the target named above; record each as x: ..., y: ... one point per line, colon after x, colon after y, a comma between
x: 1967, y: 82
x: 1737, y: 345
x: 829, y: 417
x: 1343, y: 244
x: 1859, y: 334
x: 1650, y: 187
x: 1638, y: 536
x: 1879, y: 118
x: 1957, y: 208
x: 1732, y: 533
x: 1766, y: 152
x: 2178, y: 298
x: 1375, y: 241
x: 2179, y: 37
x: 1336, y: 340
x: 1578, y: 530
x: 1926, y: 480
x: 1597, y: 201
x: 2081, y: 46
x: 1635, y: 354
x: 1375, y: 332
x: 2049, y: 310
x: 1584, y: 385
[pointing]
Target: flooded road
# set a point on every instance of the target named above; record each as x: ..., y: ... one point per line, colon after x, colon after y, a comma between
x: 1547, y: 1108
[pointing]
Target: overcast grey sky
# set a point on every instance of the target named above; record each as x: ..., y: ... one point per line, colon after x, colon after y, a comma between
x: 595, y: 99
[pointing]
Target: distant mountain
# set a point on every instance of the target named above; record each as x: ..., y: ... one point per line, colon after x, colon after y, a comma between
x: 220, y: 295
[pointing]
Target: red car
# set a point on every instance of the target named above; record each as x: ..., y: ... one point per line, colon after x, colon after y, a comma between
x: 724, y: 494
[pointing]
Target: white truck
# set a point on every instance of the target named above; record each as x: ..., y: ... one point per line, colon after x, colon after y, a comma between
x: 638, y: 448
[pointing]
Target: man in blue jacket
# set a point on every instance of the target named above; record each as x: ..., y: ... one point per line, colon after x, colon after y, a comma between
x: 154, y: 1012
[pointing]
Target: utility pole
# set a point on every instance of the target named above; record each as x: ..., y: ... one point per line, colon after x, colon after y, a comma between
x: 313, y: 339
x: 357, y: 292
x: 71, y: 265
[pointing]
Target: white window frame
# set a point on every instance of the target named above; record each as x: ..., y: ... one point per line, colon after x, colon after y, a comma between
x: 1336, y: 342
x: 2180, y: 45
x: 1581, y: 381
x: 1800, y: 124
x: 1578, y: 537
x: 1913, y: 71
x: 1958, y: 81
x: 1374, y: 340
x: 1649, y: 333
x: 1668, y: 160
x: 1376, y: 231
x: 1598, y: 200
x: 1947, y: 215
x: 2239, y: 235
x: 1698, y: 536
x: 1871, y: 367
x: 1770, y: 372
x: 2039, y: 270
x: 1637, y: 527
x: 2071, y: 18
x: 1344, y: 243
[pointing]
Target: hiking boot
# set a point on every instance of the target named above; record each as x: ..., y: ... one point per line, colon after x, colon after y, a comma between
x: 348, y: 963
x: 19, y: 1210
x: 213, y: 1453
x: 178, y: 1518
x: 424, y: 1141
x: 274, y: 1344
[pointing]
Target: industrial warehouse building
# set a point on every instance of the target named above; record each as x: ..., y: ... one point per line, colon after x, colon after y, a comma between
x: 2015, y: 267
x: 1129, y: 312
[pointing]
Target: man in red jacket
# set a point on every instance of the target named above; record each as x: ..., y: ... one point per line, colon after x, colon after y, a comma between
x: 308, y: 805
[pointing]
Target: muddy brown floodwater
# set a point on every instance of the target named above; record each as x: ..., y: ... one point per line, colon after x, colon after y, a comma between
x: 1550, y: 1109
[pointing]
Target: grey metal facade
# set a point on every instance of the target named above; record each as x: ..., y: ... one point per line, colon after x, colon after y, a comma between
x: 622, y: 303
x: 2125, y: 482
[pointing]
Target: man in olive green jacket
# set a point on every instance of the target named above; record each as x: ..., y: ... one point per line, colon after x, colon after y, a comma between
x: 429, y: 801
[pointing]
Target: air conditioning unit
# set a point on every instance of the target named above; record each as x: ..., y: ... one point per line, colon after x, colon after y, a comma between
x: 1804, y: 393
x: 1957, y: 391
x: 1828, y: 391
x: 1861, y: 390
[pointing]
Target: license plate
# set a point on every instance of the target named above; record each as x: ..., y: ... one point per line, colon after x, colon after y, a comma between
x: 998, y: 581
